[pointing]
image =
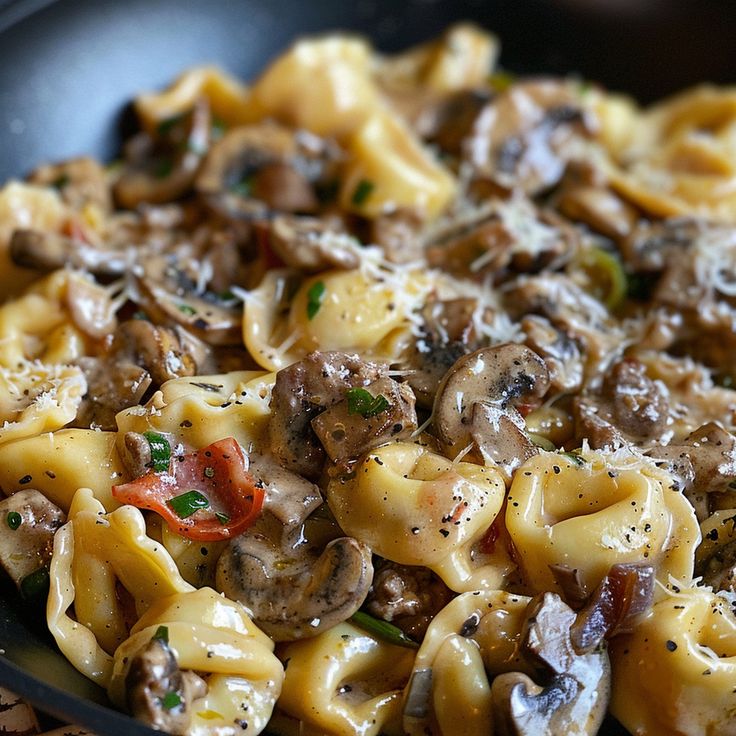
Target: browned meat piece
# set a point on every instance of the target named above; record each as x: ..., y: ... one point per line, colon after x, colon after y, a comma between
x: 525, y: 136
x: 300, y: 393
x: 409, y: 597
x: 559, y: 352
x: 399, y: 234
x: 347, y: 433
x: 630, y: 406
x: 79, y: 181
x: 28, y: 522
x: 703, y: 463
x: 158, y: 692
x: 311, y: 244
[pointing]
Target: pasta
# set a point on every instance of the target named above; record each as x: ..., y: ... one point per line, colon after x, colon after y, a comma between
x: 382, y: 395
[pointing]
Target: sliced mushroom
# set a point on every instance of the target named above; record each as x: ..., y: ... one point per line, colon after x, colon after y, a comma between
x: 346, y: 434
x: 270, y: 164
x: 158, y: 692
x: 311, y: 244
x: 163, y: 170
x: 28, y: 524
x: 573, y: 693
x: 157, y: 349
x: 111, y: 387
x: 399, y: 234
x: 525, y: 136
x: 295, y: 592
x: 170, y: 298
x: 300, y: 393
x: 79, y: 181
x: 476, y: 402
x: 43, y: 251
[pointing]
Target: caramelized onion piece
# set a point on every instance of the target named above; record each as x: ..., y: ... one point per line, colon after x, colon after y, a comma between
x: 625, y: 593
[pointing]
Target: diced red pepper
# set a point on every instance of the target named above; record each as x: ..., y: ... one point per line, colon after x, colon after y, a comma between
x: 219, y: 473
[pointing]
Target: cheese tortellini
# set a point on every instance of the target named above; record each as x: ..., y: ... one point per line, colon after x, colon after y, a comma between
x: 676, y: 672
x: 215, y: 638
x: 419, y: 508
x: 594, y: 510
x: 345, y: 681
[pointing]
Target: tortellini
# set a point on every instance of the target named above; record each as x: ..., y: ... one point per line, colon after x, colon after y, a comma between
x: 215, y: 637
x: 597, y: 510
x: 37, y: 397
x: 200, y: 410
x: 58, y: 463
x: 93, y: 552
x: 345, y: 682
x: 474, y: 635
x: 676, y: 672
x: 419, y: 508
x: 366, y: 310
x: 39, y: 325
x: 24, y: 206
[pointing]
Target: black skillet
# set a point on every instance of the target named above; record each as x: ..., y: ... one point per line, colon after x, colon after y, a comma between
x: 68, y: 68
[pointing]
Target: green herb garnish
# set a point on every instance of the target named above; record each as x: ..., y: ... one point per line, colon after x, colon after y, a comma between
x: 13, y: 520
x: 364, y: 403
x: 315, y: 296
x: 222, y: 518
x: 35, y: 584
x: 186, y: 309
x: 162, y: 634
x: 574, y: 457
x: 140, y: 314
x: 160, y: 451
x: 163, y: 168
x: 166, y: 126
x: 186, y: 504
x: 217, y: 129
x: 362, y: 192
x: 542, y: 442
x: 170, y: 700
x: 382, y: 629
x: 244, y: 187
x: 61, y: 181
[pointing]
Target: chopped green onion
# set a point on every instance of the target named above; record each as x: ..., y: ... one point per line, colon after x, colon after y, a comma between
x: 382, y: 629
x: 160, y: 451
x: 315, y: 296
x: 574, y: 457
x: 500, y: 81
x: 362, y: 192
x: 222, y: 518
x: 167, y: 125
x: 364, y: 403
x: 541, y: 441
x: 186, y: 309
x: 140, y: 314
x: 162, y: 634
x: 244, y: 187
x: 163, y: 168
x: 61, y: 181
x: 186, y: 504
x: 35, y: 584
x: 13, y: 520
x: 217, y: 129
x: 607, y: 280
x: 170, y: 700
